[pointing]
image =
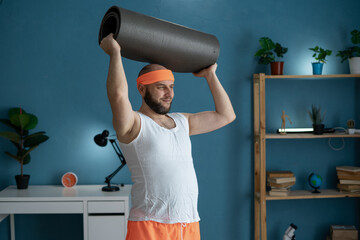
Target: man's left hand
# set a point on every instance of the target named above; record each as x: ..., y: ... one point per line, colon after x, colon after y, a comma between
x: 206, y: 71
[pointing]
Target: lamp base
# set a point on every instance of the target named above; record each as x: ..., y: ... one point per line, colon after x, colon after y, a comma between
x: 110, y: 189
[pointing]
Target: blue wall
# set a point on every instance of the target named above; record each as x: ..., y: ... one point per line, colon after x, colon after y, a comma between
x: 52, y: 66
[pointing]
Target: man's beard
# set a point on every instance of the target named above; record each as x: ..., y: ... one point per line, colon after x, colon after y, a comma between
x: 154, y: 105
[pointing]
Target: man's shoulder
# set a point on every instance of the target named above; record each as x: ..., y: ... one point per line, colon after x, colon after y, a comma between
x: 179, y: 115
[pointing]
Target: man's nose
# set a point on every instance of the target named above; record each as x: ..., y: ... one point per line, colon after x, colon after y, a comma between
x: 168, y: 91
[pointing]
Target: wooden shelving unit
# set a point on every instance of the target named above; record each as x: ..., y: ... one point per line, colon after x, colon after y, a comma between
x: 260, y: 138
x: 306, y: 194
x: 309, y: 135
x: 307, y: 76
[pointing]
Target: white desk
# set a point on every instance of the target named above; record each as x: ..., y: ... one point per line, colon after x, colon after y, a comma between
x: 105, y: 214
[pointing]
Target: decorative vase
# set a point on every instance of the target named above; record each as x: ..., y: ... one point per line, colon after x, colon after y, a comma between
x: 318, y: 129
x: 354, y: 64
x: 317, y: 68
x: 22, y: 181
x: 277, y: 68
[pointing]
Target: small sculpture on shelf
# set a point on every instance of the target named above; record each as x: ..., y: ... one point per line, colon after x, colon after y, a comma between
x: 283, y: 122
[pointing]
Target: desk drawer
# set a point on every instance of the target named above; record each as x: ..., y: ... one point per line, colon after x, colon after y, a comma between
x: 106, y: 207
x: 107, y: 227
x: 41, y: 207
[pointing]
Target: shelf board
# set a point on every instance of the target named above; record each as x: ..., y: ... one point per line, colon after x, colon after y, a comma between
x: 313, y: 76
x: 307, y: 194
x: 309, y: 135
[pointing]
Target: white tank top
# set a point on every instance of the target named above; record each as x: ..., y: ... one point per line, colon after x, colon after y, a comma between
x: 165, y: 187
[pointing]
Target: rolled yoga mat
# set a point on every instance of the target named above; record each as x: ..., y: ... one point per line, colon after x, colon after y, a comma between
x: 147, y: 39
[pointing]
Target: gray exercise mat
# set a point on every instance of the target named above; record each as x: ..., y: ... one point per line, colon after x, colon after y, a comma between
x: 147, y: 39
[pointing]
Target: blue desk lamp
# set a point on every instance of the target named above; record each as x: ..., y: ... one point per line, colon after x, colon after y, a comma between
x: 101, y: 140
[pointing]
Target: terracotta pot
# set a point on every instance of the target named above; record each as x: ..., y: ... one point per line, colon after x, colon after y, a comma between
x: 277, y: 68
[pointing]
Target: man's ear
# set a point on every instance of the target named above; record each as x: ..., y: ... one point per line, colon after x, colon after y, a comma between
x: 141, y: 89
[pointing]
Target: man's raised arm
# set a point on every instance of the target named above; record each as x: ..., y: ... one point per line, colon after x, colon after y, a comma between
x: 125, y: 120
x: 224, y: 114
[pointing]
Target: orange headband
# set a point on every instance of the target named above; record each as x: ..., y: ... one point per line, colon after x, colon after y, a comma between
x: 155, y: 76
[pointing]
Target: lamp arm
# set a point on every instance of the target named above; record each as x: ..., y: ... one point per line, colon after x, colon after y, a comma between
x: 108, y: 178
x: 122, y: 160
x: 118, y: 151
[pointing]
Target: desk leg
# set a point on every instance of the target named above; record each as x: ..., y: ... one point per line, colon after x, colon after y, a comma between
x: 85, y: 220
x: 12, y: 226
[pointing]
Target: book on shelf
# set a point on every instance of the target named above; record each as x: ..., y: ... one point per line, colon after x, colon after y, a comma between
x: 275, y: 174
x: 282, y: 179
x: 348, y: 187
x: 280, y: 189
x: 280, y: 185
x: 280, y: 182
x: 352, y: 169
x: 349, y: 191
x: 347, y: 173
x: 278, y: 193
x: 344, y: 181
x: 348, y: 177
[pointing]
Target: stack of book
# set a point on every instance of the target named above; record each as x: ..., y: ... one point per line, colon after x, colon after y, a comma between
x: 349, y: 178
x: 280, y: 182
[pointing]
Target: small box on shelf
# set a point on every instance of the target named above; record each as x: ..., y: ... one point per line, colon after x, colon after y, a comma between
x: 343, y: 232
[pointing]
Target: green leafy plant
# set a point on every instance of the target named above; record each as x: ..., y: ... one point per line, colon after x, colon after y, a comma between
x: 268, y: 51
x: 22, y: 122
x: 320, y: 54
x: 279, y: 50
x: 315, y: 115
x: 353, y: 51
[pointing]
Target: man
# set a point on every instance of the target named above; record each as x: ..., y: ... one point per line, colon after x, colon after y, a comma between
x: 157, y: 147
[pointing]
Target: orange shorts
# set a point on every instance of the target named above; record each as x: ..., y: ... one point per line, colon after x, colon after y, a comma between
x: 150, y: 230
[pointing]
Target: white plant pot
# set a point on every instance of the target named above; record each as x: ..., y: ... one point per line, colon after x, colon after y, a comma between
x: 354, y: 64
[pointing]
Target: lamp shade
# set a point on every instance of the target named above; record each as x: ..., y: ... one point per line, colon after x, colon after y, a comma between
x: 101, y: 139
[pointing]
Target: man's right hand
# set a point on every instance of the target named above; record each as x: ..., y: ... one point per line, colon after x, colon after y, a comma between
x: 110, y: 45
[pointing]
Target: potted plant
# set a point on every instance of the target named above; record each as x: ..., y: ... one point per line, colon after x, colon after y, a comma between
x: 317, y: 119
x: 267, y: 54
x: 22, y: 122
x: 320, y: 56
x: 351, y: 126
x: 352, y: 53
